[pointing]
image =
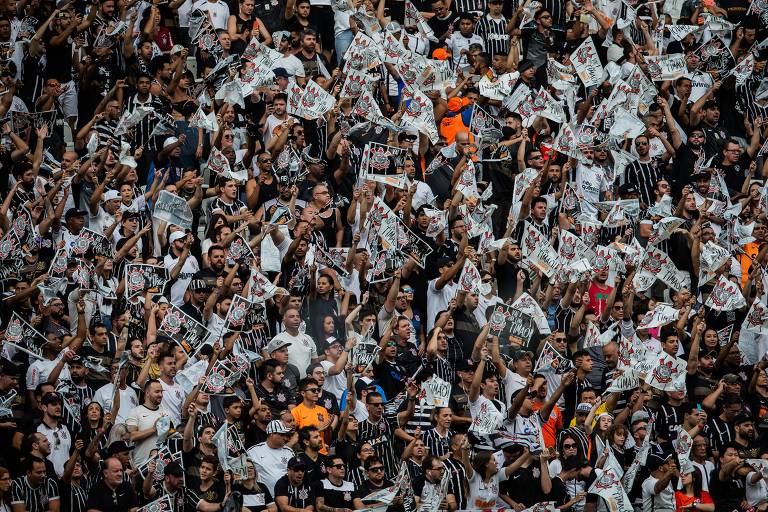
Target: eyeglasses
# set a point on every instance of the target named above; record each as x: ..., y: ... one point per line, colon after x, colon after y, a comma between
x: 312, y: 390
x: 338, y: 466
x: 265, y: 160
x: 229, y: 136
x: 407, y: 290
x: 376, y: 469
x: 391, y: 344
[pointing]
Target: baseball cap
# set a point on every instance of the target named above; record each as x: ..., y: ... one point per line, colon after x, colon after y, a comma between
x: 276, y: 344
x: 277, y: 427
x: 177, y: 48
x: 296, y: 463
x: 639, y: 416
x: 628, y: 189
x: 169, y: 141
x: 118, y: 447
x: 583, y: 408
x: 410, y: 137
x: 655, y: 461
x: 198, y: 284
x: 742, y: 417
x: 731, y: 378
x: 710, y: 104
x: 174, y: 468
x: 524, y: 66
x: 77, y: 360
x: 74, y: 212
x: 522, y: 354
x: 281, y: 72
x: 111, y: 194
x: 176, y: 235
x: 709, y: 353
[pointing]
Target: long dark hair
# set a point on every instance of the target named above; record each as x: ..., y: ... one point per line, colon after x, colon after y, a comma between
x: 480, y: 463
x: 696, y: 482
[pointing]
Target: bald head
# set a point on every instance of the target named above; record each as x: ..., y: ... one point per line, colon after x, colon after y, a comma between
x: 611, y: 354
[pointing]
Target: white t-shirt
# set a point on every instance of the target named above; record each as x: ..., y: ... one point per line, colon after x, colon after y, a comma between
x: 144, y: 418
x: 756, y: 493
x: 100, y: 222
x: 334, y: 384
x: 271, y: 463
x: 484, y: 495
x: 40, y: 370
x: 191, y: 266
x: 291, y: 64
x: 219, y: 12
x: 301, y: 351
x: 128, y: 400
x: 173, y: 399
x: 662, y: 502
x: 437, y: 300
x: 483, y: 406
x: 61, y: 442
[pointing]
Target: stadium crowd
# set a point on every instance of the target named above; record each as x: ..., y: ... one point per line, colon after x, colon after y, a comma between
x: 383, y: 255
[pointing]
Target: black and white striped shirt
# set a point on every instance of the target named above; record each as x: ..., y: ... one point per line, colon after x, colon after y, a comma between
x: 643, y: 175
x: 472, y: 6
x: 74, y: 497
x: 146, y: 125
x: 458, y: 481
x: 34, y: 499
x: 494, y: 34
x: 438, y: 445
x: 381, y: 436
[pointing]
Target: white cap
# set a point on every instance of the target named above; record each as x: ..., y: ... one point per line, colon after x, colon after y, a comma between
x: 111, y: 194
x: 177, y: 48
x: 176, y: 235
x: 169, y: 141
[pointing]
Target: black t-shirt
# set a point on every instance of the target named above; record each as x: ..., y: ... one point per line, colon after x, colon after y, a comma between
x: 389, y: 375
x: 58, y: 58
x: 337, y: 496
x: 213, y: 494
x: 316, y: 469
x: 103, y: 498
x: 727, y: 495
x: 300, y: 496
x: 256, y: 499
x: 735, y: 174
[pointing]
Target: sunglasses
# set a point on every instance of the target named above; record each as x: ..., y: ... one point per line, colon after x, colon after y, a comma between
x: 338, y: 466
x: 312, y: 390
x: 566, y: 446
x: 376, y: 469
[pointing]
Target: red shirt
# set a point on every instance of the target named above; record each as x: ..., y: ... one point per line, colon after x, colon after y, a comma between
x: 597, y: 298
x: 682, y: 500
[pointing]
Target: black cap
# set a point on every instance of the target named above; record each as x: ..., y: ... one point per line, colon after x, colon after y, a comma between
x: 709, y: 353
x: 628, y: 188
x: 410, y: 137
x: 525, y: 65
x: 118, y: 447
x: 77, y: 360
x: 280, y: 73
x: 444, y: 262
x: 131, y: 215
x: 297, y: 463
x: 174, y: 468
x: 655, y: 461
x: 743, y: 417
x: 710, y: 104
x: 74, y: 212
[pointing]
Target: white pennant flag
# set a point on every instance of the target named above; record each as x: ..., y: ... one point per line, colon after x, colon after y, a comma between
x: 666, y: 67
x: 528, y: 305
x: 725, y: 296
x: 678, y: 32
x: 414, y: 18
x: 660, y: 316
x: 470, y: 277
x: 743, y: 70
x: 667, y: 373
x: 757, y: 318
x: 608, y: 486
x: 587, y: 64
